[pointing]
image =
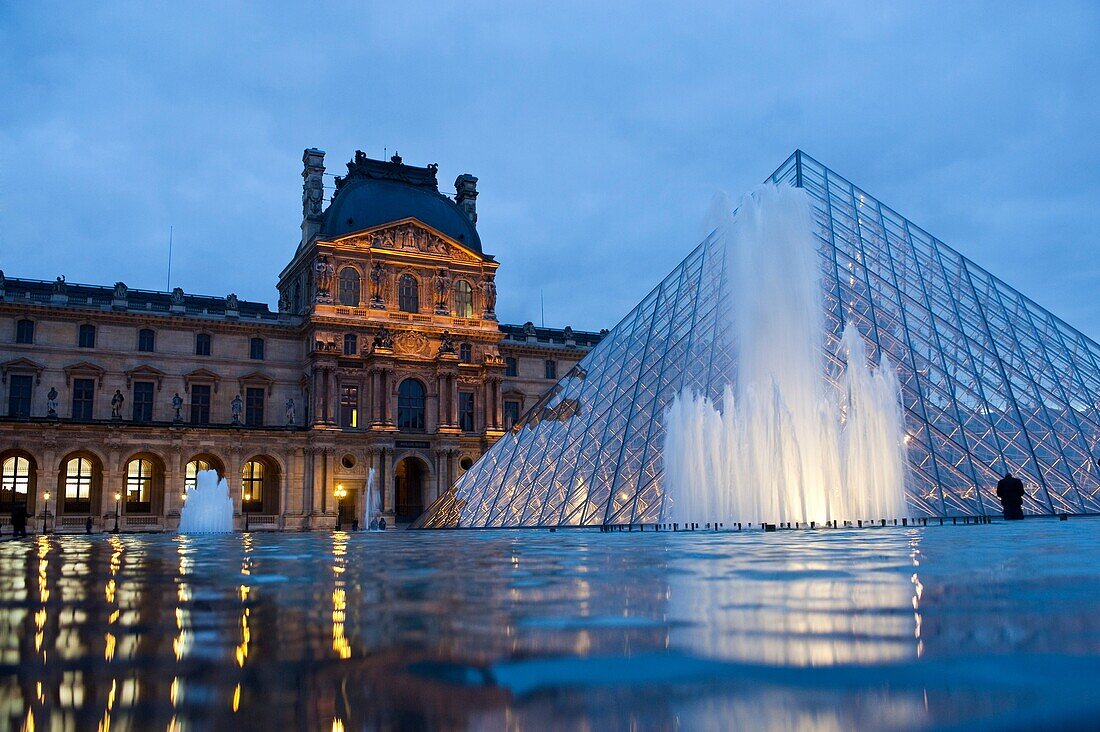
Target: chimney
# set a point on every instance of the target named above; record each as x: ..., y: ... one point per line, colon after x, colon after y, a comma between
x: 313, y: 192
x: 466, y: 196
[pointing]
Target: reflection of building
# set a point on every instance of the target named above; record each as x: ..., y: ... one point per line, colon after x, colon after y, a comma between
x: 385, y: 353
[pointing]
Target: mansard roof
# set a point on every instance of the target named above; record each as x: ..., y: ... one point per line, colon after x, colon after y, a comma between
x: 376, y: 192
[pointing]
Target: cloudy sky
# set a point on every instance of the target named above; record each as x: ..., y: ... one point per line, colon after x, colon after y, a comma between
x: 599, y: 132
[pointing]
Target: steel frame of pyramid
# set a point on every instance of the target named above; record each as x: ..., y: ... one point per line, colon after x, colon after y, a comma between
x: 990, y: 381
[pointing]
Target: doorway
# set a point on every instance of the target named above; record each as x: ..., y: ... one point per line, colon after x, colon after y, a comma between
x: 409, y: 480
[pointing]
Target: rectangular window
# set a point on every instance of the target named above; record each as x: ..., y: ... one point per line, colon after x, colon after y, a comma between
x: 200, y: 404
x: 147, y: 340
x: 256, y: 349
x: 19, y: 395
x: 466, y: 411
x: 511, y: 366
x: 83, y: 398
x: 511, y: 413
x: 551, y: 369
x: 254, y: 406
x: 143, y: 401
x: 202, y: 344
x: 349, y: 406
x: 86, y: 338
x: 24, y: 331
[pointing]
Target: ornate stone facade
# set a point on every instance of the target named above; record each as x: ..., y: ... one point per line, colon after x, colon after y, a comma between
x: 384, y: 355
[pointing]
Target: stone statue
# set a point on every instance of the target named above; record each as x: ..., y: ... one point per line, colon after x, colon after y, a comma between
x: 59, y: 285
x: 231, y: 302
x: 290, y: 412
x: 116, y: 404
x: 237, y: 405
x: 284, y: 303
x: 177, y: 404
x: 383, y: 338
x: 441, y: 280
x: 51, y: 403
x: 489, y: 287
x: 446, y: 343
x: 120, y: 290
x: 313, y: 196
x: 529, y: 329
x: 177, y: 296
x: 377, y: 274
x: 323, y: 274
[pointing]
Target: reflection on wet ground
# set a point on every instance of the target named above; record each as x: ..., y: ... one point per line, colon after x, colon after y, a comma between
x: 833, y: 629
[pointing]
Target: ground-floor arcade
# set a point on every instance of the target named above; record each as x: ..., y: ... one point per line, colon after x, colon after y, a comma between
x: 74, y: 478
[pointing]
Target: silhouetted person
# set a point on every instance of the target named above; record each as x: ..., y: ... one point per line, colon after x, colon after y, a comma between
x: 355, y: 524
x: 19, y: 520
x: 1010, y: 490
x: 382, y: 523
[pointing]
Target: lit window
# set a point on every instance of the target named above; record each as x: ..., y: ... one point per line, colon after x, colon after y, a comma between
x: 139, y: 484
x: 464, y: 299
x: 15, y: 480
x: 78, y: 484
x: 408, y: 294
x: 252, y: 487
x: 191, y: 473
x: 349, y: 406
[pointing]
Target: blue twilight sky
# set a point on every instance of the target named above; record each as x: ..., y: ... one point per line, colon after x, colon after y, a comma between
x: 599, y: 132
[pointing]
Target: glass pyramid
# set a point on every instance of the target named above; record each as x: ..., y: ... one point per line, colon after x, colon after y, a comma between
x: 990, y: 382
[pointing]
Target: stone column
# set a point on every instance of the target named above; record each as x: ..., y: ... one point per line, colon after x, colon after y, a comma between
x: 233, y: 477
x: 454, y: 399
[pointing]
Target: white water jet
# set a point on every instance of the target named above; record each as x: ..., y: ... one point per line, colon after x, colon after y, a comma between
x: 207, y: 509
x: 369, y: 509
x: 788, y: 444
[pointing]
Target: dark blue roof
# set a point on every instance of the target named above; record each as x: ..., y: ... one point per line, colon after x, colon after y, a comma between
x: 376, y: 192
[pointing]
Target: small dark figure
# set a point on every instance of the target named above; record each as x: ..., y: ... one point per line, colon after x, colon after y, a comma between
x: 1010, y: 490
x: 382, y: 523
x: 355, y: 524
x: 374, y: 524
x: 19, y: 520
x: 88, y: 525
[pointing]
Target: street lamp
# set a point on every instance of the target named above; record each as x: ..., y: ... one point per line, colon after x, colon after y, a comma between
x: 340, y: 493
x: 45, y: 510
x: 118, y: 500
x: 247, y: 498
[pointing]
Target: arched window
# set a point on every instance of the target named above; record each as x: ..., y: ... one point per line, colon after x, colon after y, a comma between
x: 351, y: 344
x: 466, y: 353
x: 408, y: 295
x: 191, y: 473
x: 15, y: 481
x: 147, y: 340
x: 77, y: 488
x: 349, y: 287
x: 139, y: 485
x: 410, y: 406
x: 87, y: 336
x: 252, y: 486
x: 464, y: 299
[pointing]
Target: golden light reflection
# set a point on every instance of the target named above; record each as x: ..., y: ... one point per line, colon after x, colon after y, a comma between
x: 340, y: 643
x: 236, y: 697
x: 175, y: 692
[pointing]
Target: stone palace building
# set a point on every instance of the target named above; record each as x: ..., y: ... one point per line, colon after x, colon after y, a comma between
x: 384, y: 355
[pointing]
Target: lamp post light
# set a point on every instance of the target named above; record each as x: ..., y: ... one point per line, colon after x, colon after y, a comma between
x: 247, y: 498
x: 118, y: 501
x: 45, y: 509
x: 340, y: 494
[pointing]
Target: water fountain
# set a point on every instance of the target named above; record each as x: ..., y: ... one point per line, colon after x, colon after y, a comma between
x: 207, y: 508
x: 791, y: 442
x: 369, y: 504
